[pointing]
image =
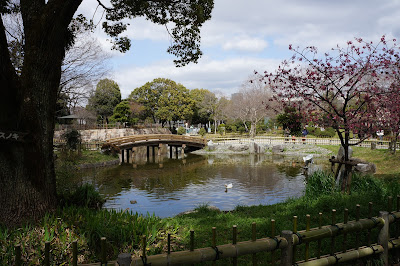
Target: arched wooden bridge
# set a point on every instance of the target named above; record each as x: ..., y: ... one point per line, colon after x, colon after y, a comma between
x: 129, y: 143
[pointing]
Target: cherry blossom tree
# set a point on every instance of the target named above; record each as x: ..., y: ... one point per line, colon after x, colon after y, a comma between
x: 388, y: 108
x: 339, y: 88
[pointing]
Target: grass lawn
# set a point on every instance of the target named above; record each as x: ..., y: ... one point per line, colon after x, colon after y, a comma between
x: 387, y: 164
x: 85, y: 157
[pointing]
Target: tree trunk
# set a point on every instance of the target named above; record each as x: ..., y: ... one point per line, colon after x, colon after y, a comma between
x: 28, y: 103
x: 245, y: 126
x: 252, y: 130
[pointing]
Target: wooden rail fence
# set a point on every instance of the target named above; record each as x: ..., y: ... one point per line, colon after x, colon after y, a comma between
x: 90, y: 145
x: 384, y: 144
x: 283, y: 248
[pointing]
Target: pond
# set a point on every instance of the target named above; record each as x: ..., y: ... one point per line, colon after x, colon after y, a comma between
x: 182, y: 185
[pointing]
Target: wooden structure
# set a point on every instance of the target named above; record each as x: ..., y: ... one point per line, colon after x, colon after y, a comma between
x: 127, y: 145
x: 283, y: 249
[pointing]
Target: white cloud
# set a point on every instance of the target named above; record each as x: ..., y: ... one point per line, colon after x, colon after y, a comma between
x: 250, y: 28
x: 225, y: 75
x: 247, y: 44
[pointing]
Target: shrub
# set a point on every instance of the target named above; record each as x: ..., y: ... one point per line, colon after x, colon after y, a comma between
x: 82, y: 196
x: 202, y: 132
x: 328, y: 132
x: 181, y: 131
x: 110, y: 149
x: 221, y: 129
x: 72, y: 139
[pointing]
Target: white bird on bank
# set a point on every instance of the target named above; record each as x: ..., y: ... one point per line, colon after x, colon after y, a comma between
x: 308, y: 159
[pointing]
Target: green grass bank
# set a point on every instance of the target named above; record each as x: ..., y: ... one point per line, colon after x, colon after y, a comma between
x: 79, y: 218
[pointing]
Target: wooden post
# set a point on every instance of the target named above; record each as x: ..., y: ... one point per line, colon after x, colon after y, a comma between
x: 383, y: 237
x: 148, y: 153
x: 127, y: 156
x: 308, y: 218
x: 287, y: 252
x: 47, y: 253
x: 18, y: 255
x: 253, y: 238
x: 214, y: 242
x: 124, y: 259
x: 144, y: 249
x: 103, y: 251
x: 273, y: 236
x: 122, y: 161
x: 169, y: 244
x: 369, y: 217
x: 333, y: 238
x: 319, y: 240
x: 120, y: 157
x: 357, y: 219
x: 346, y: 219
x: 75, y: 253
x: 170, y: 151
x: 234, y: 241
x: 294, y: 231
x: 176, y: 152
x: 397, y: 223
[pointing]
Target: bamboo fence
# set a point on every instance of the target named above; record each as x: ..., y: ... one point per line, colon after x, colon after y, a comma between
x: 291, y: 247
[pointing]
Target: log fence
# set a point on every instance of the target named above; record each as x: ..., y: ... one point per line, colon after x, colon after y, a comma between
x: 322, y: 245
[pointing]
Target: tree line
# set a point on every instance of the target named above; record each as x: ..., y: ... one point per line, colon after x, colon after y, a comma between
x: 166, y: 102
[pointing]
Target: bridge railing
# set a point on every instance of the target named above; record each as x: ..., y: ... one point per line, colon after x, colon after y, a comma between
x: 165, y: 137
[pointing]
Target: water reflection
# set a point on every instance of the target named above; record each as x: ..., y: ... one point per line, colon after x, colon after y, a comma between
x: 182, y: 185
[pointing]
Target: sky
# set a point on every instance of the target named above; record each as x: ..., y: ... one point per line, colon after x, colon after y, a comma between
x: 244, y: 36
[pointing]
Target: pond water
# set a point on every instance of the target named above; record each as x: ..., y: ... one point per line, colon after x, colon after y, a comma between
x: 181, y: 185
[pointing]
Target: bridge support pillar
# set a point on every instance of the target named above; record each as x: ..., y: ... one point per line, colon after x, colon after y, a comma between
x: 183, y: 151
x: 176, y: 151
x: 148, y: 153
x: 127, y: 156
x: 159, y: 149
x: 122, y: 157
x: 170, y: 151
x: 160, y: 158
x: 134, y: 165
x: 153, y: 153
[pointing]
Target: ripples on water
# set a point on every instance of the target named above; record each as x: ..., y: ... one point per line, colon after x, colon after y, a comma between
x: 182, y: 185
